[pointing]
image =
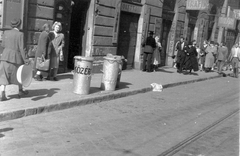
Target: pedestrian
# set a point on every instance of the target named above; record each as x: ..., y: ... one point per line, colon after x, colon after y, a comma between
x: 156, y: 54
x: 190, y: 62
x: 43, y: 49
x: 234, y: 57
x: 180, y: 54
x: 215, y: 56
x: 57, y: 52
x: 211, y: 51
x: 203, y: 55
x: 14, y: 55
x: 149, y: 46
x: 221, y: 57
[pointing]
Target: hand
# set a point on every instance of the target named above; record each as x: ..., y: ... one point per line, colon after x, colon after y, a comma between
x: 26, y: 61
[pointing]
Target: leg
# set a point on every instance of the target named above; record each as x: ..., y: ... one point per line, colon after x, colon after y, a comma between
x: 55, y: 70
x: 149, y: 62
x: 3, y: 93
x: 144, y: 62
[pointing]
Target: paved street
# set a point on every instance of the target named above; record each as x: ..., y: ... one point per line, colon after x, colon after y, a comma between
x: 221, y: 141
x: 140, y: 125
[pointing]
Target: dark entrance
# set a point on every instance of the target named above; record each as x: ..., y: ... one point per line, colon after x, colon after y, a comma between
x: 166, y: 29
x: 77, y: 30
x: 127, y: 37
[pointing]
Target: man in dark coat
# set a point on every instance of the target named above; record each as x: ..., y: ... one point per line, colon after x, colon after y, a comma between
x: 180, y: 54
x: 13, y: 56
x: 149, y: 45
x: 43, y: 48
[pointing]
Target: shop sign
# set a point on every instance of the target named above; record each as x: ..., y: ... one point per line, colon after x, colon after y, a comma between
x: 227, y: 22
x: 11, y: 9
x: 236, y: 14
x: 131, y: 8
x: 197, y: 4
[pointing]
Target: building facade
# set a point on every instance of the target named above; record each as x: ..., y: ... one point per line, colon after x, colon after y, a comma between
x: 98, y: 27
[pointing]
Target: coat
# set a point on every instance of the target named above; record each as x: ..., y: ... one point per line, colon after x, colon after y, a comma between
x: 222, y: 53
x: 14, y: 51
x: 209, y: 60
x: 149, y: 44
x: 14, y: 55
x: 180, y: 54
x: 43, y: 47
x: 57, y: 44
x: 190, y: 61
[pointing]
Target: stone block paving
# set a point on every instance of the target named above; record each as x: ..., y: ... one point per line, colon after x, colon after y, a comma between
x: 221, y: 141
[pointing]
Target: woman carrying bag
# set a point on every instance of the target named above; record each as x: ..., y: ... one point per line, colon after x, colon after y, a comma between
x: 56, y: 53
x: 43, y: 49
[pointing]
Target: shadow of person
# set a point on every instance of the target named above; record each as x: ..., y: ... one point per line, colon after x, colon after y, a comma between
x: 5, y: 130
x: 163, y: 70
x: 37, y: 94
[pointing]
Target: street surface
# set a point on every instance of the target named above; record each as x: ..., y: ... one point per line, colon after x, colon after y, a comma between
x: 140, y: 125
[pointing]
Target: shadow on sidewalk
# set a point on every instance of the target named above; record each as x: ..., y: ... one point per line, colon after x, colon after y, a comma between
x: 38, y: 94
x: 4, y: 130
x: 65, y: 76
x: 163, y: 70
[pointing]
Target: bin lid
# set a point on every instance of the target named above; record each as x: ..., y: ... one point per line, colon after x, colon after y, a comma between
x: 84, y: 58
x: 24, y: 75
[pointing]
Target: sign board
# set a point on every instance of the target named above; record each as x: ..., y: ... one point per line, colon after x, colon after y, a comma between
x: 227, y: 22
x: 12, y: 9
x: 197, y: 4
x: 236, y: 14
x: 131, y: 8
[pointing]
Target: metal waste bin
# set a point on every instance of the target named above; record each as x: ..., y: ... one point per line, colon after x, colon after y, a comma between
x: 82, y: 74
x: 110, y: 73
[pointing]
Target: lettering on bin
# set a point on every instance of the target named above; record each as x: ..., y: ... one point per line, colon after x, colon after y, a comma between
x: 82, y: 70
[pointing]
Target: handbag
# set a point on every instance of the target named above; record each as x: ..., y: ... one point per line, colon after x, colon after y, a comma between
x: 42, y: 63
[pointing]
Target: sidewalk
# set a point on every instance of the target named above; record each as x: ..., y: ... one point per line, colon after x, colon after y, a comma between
x: 48, y: 96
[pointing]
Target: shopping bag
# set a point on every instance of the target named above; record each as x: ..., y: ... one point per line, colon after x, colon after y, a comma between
x: 42, y: 64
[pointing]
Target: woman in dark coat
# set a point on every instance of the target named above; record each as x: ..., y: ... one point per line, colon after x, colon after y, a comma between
x: 56, y: 53
x: 13, y: 56
x: 191, y: 62
x: 43, y: 48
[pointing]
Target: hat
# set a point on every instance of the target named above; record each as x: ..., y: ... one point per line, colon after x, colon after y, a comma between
x: 151, y: 32
x: 24, y: 75
x: 15, y: 22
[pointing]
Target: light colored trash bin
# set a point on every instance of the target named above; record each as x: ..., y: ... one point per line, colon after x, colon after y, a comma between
x: 82, y: 74
x: 110, y: 72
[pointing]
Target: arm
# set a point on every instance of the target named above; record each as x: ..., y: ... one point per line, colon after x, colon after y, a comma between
x: 22, y: 49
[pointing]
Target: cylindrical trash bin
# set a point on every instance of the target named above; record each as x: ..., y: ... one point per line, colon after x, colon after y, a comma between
x: 110, y: 73
x: 82, y: 74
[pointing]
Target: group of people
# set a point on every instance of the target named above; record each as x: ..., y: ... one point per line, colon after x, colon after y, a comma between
x: 207, y: 57
x: 186, y: 56
x: 50, y: 46
x: 151, y: 53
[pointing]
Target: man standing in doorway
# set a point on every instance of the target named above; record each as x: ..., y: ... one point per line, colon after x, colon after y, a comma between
x: 149, y: 45
x: 180, y: 54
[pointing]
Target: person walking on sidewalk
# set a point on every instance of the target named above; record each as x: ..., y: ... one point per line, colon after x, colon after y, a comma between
x: 234, y: 57
x: 43, y: 48
x: 190, y: 62
x: 180, y: 54
x: 203, y: 55
x: 56, y: 53
x: 211, y: 51
x: 221, y: 57
x: 156, y: 54
x: 14, y: 55
x: 149, y: 46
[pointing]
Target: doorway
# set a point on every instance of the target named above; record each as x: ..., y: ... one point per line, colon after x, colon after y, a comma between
x: 78, y: 31
x: 166, y: 29
x: 127, y: 37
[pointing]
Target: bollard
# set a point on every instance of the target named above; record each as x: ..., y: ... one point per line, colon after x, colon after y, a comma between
x: 82, y: 74
x: 110, y: 73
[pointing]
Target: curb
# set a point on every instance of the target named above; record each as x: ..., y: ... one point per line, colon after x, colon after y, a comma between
x: 11, y: 115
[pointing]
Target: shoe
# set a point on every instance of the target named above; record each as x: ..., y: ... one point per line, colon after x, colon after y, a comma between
x: 3, y: 96
x: 22, y: 92
x: 55, y: 79
x: 38, y: 77
x: 144, y: 70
